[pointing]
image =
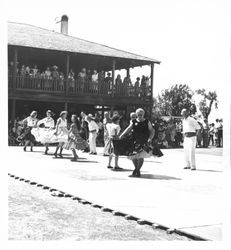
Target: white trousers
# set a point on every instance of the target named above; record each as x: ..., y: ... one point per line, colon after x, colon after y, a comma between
x: 189, y: 151
x: 92, y: 141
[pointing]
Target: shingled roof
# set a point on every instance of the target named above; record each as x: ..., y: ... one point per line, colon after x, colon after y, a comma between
x: 35, y: 37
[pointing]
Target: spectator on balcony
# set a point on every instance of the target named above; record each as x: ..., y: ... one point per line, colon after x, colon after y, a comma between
x: 126, y: 84
x: 82, y: 76
x: 55, y: 73
x: 94, y: 79
x: 61, y: 81
x: 71, y: 80
x: 108, y: 83
x: 137, y: 86
x: 118, y: 84
x: 48, y: 73
x: 43, y: 75
x: 23, y: 70
x: 34, y: 71
x: 143, y: 86
x: 94, y: 76
x: 88, y: 75
x: 101, y: 76
x: 28, y: 71
x: 11, y: 68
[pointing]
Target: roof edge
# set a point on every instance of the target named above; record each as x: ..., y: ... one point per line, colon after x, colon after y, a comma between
x: 145, y: 58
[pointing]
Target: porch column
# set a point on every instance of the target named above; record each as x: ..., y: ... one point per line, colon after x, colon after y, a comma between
x: 66, y: 106
x: 128, y: 71
x: 113, y: 76
x: 152, y: 81
x: 102, y: 111
x: 152, y: 76
x: 13, y: 110
x: 15, y: 67
x: 67, y: 72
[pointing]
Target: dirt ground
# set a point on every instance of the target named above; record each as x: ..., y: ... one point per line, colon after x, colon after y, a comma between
x: 36, y: 215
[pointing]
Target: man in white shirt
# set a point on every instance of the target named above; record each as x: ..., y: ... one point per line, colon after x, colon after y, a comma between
x: 190, y: 128
x: 93, y: 130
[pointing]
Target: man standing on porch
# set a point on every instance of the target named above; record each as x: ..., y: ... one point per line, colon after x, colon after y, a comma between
x: 190, y: 128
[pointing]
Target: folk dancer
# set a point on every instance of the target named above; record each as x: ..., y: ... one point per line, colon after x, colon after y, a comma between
x: 29, y: 123
x: 190, y: 128
x: 61, y: 133
x: 75, y: 141
x: 140, y: 146
x: 46, y: 134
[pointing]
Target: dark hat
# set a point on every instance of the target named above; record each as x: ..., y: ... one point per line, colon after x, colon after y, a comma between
x: 63, y: 112
x: 115, y: 118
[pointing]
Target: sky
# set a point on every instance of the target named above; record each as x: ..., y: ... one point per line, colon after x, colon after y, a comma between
x: 190, y: 38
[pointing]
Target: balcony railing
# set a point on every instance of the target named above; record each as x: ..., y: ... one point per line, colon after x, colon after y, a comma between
x: 76, y: 87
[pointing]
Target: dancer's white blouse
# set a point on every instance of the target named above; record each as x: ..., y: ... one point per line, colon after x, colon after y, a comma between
x: 48, y: 122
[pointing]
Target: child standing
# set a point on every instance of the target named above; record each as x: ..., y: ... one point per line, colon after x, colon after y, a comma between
x: 113, y: 132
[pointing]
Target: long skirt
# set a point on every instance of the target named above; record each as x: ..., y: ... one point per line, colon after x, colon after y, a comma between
x: 133, y: 150
x: 27, y: 135
x: 75, y: 142
x: 44, y: 135
x: 62, y: 135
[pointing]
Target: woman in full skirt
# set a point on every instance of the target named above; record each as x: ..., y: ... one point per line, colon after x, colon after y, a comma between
x: 61, y: 133
x: 45, y: 134
x: 75, y: 141
x: 139, y: 146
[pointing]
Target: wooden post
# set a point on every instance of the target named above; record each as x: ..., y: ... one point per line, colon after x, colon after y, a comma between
x: 113, y: 76
x: 152, y: 82
x: 66, y: 106
x: 102, y: 111
x: 152, y: 78
x: 15, y: 67
x: 13, y: 110
x: 67, y: 72
x: 128, y: 71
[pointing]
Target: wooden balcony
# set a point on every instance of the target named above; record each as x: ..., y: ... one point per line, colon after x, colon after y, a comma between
x: 74, y: 88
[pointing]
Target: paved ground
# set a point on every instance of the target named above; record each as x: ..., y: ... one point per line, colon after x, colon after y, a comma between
x: 165, y: 194
x: 36, y: 215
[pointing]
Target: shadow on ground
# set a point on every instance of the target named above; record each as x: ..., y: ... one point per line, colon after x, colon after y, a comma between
x: 209, y: 170
x: 158, y: 177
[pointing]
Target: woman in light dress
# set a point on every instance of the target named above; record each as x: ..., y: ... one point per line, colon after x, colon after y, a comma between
x: 75, y: 141
x: 46, y: 133
x: 106, y: 121
x: 61, y: 133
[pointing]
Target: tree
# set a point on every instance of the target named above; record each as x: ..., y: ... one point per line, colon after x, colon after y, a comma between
x: 171, y: 101
x: 208, y: 99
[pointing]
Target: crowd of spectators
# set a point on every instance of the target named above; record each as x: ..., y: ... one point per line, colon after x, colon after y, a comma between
x: 169, y: 133
x: 87, y: 79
